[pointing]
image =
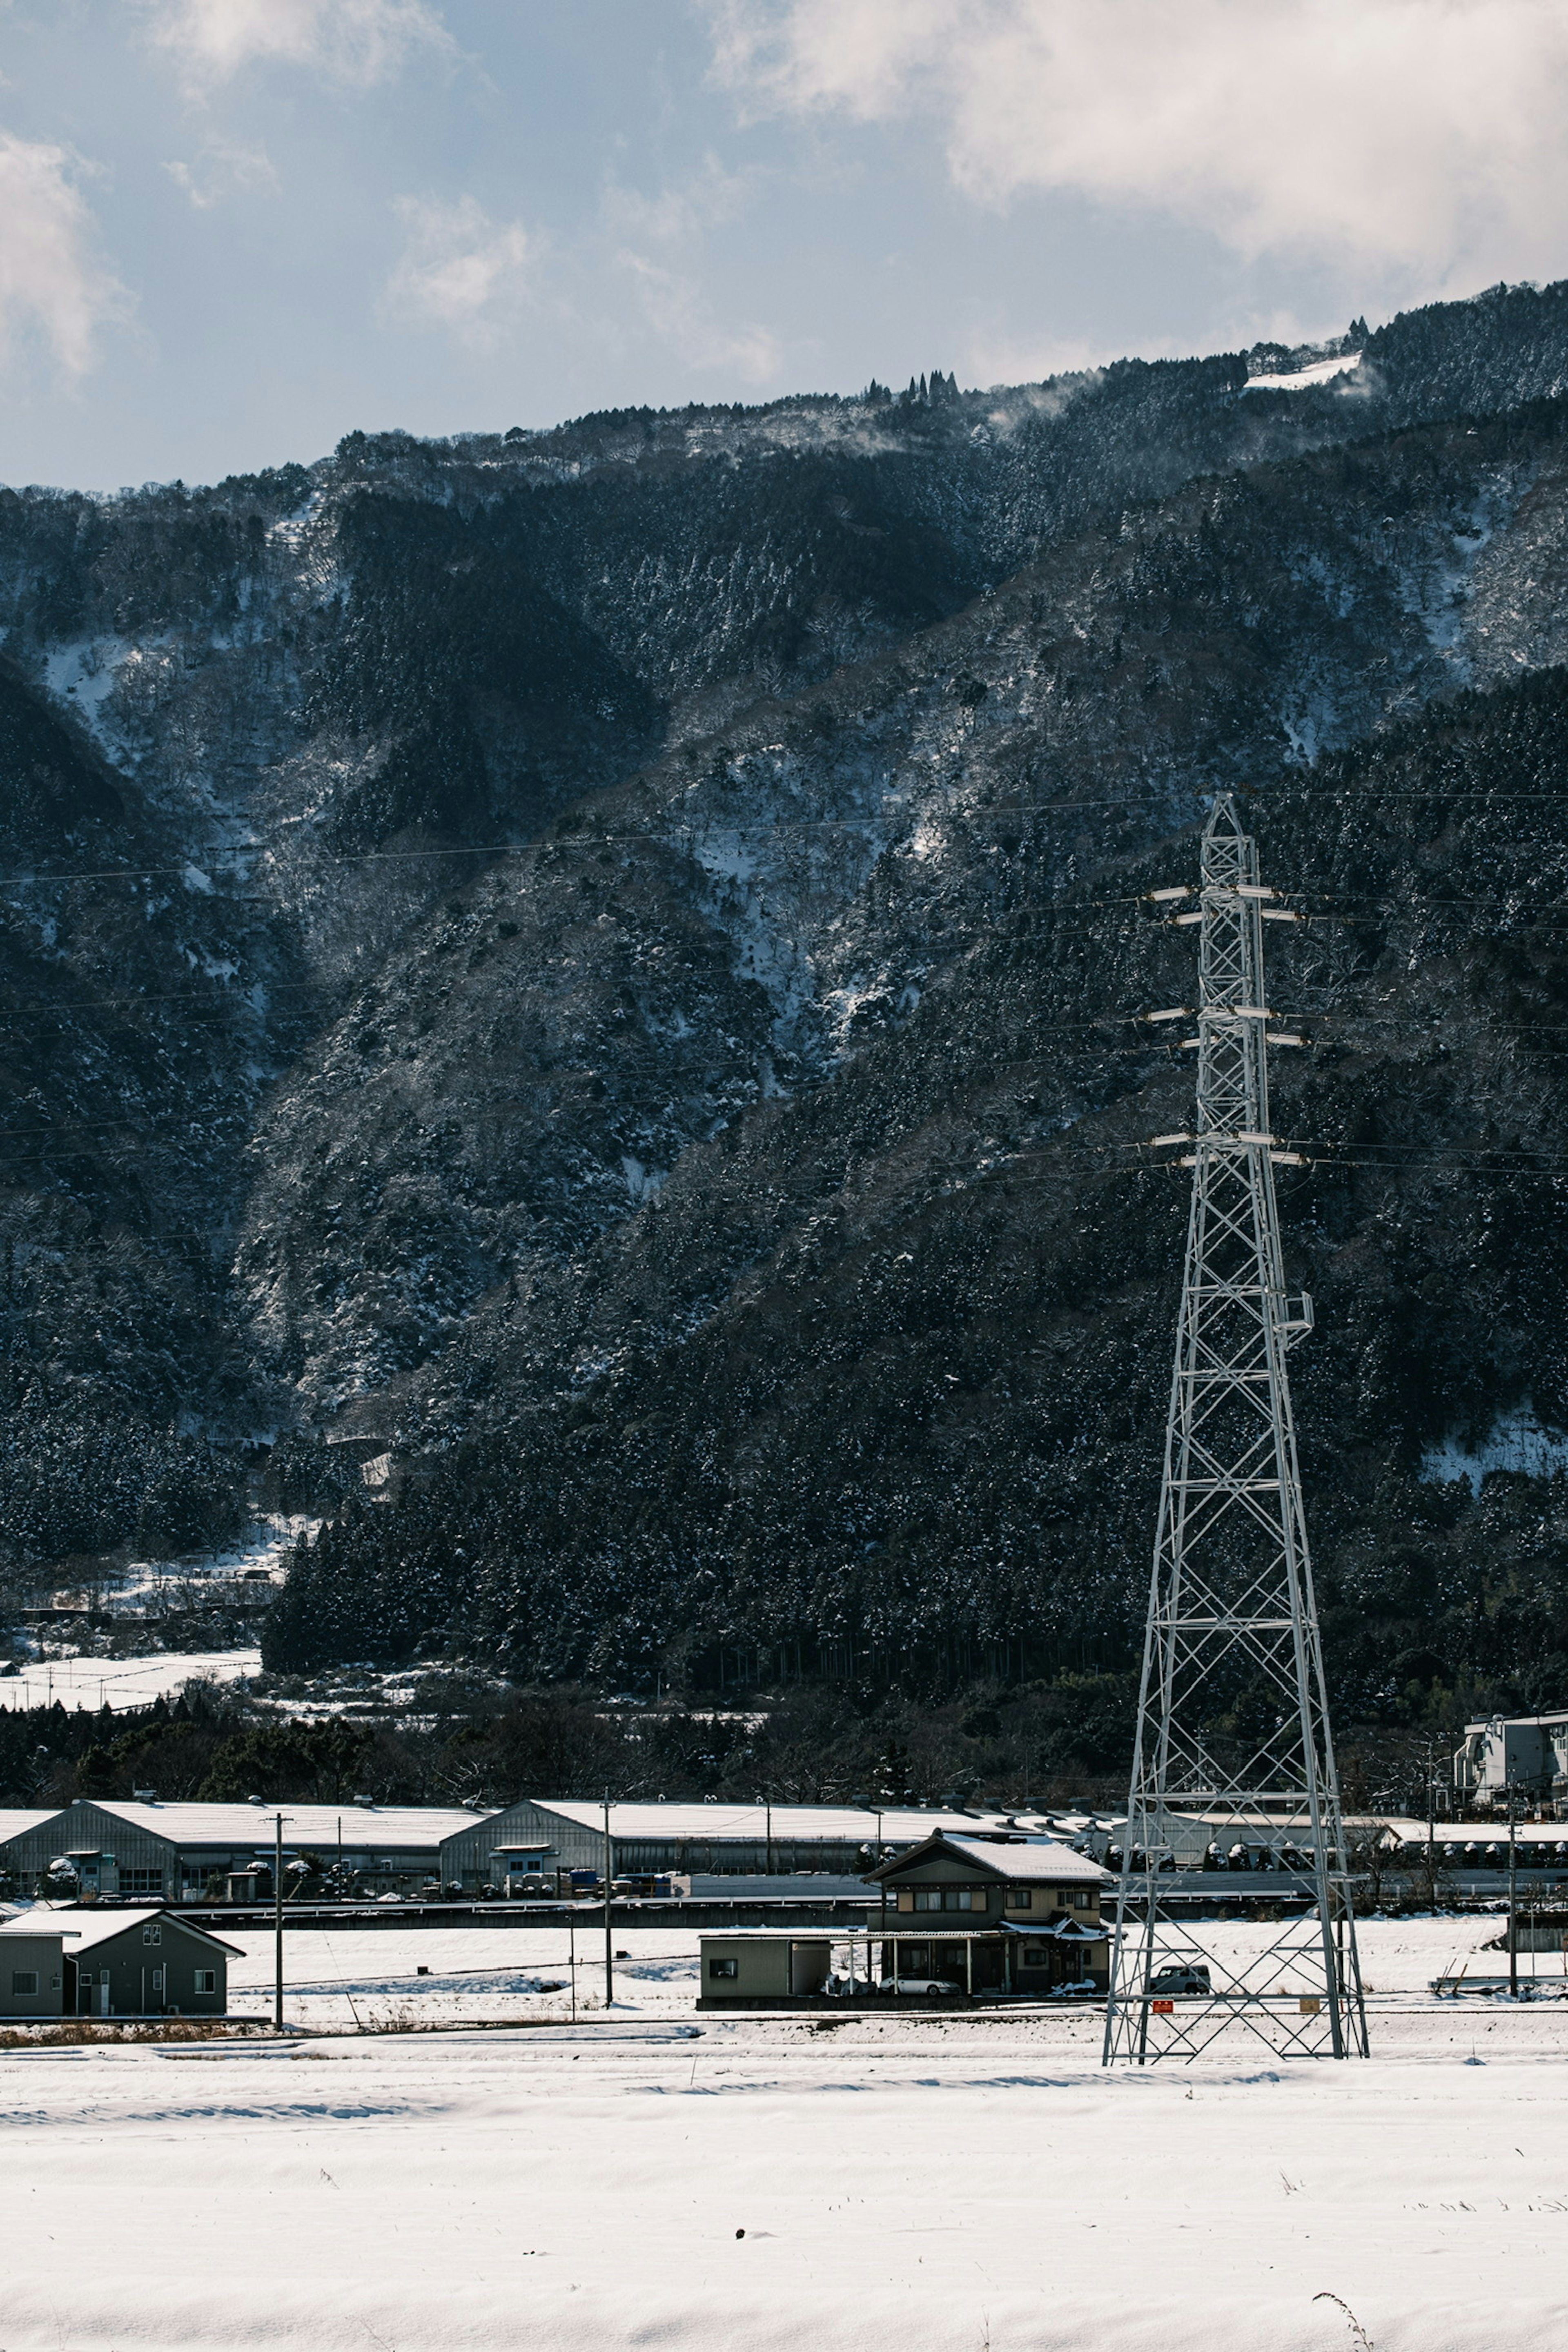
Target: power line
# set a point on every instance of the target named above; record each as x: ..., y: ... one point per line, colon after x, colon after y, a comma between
x: 684, y: 836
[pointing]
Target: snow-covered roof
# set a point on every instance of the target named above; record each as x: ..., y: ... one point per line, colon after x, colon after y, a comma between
x: 1065, y: 1931
x: 15, y: 1822
x: 252, y: 1825
x: 1041, y: 1859
x: 900, y: 1825
x: 1226, y: 1829
x: 83, y: 1929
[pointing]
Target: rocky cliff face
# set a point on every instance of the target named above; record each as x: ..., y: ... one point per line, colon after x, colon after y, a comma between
x: 606, y: 962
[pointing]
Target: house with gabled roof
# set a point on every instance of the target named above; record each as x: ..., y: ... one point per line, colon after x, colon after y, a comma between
x: 98, y: 1962
x: 957, y: 1918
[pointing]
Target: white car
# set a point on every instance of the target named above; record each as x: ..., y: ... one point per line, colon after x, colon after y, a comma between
x: 918, y: 1984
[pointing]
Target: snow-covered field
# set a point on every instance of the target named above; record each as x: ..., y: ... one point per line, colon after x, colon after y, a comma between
x: 342, y: 1980
x: 121, y: 1682
x: 938, y: 2184
x: 1303, y: 379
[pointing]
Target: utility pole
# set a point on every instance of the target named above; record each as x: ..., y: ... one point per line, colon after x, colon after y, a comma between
x: 1512, y: 1888
x: 609, y: 1936
x: 277, y: 1925
x: 867, y: 1805
x: 1232, y: 1628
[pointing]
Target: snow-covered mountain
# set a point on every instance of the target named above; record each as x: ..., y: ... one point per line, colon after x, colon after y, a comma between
x: 600, y: 965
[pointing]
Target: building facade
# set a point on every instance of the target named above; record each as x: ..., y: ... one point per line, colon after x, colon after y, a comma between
x: 1527, y: 1754
x: 32, y: 1971
x: 148, y: 1851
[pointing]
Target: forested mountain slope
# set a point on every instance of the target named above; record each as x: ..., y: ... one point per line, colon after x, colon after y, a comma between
x: 604, y: 961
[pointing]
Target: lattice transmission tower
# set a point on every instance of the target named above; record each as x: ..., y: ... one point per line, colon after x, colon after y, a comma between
x: 1234, y: 1746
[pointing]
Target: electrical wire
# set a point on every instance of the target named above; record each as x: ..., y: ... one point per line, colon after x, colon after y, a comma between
x: 681, y: 836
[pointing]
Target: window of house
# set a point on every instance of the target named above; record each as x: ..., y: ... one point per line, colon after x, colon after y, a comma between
x: 206, y: 1980
x: 151, y: 1935
x: 928, y: 1898
x: 1020, y: 1899
x: 1082, y: 1900
x: 723, y: 1967
x: 963, y: 1898
x: 24, y: 1980
x: 1035, y: 1955
x: 141, y: 1882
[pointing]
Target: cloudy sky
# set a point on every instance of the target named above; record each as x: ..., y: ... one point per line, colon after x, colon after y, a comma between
x: 232, y: 230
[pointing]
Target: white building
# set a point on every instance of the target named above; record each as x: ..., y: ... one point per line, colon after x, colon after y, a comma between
x: 1527, y: 1753
x: 180, y: 1853
x: 720, y: 1839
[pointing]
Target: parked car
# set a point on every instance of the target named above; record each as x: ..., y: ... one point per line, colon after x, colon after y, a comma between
x: 1167, y: 1981
x: 917, y: 1984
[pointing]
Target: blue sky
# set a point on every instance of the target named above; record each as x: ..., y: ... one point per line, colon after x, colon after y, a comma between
x: 232, y: 230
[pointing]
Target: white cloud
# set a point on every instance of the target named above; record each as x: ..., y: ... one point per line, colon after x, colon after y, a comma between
x: 1424, y: 136
x: 222, y: 169
x: 685, y: 210
x: 460, y: 269
x: 681, y: 316
x: 993, y: 356
x: 352, y: 41
x: 53, y: 288
x: 675, y: 223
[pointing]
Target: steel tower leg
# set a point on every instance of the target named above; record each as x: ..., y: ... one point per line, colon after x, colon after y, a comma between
x: 1234, y: 1746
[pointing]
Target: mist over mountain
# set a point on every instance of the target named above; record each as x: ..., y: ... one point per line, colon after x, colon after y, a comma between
x: 605, y: 964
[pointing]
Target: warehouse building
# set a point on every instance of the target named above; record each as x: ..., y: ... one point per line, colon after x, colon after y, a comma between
x: 723, y: 1840
x: 175, y: 1852
x: 1526, y: 1753
x: 104, y: 1963
x: 15, y: 1821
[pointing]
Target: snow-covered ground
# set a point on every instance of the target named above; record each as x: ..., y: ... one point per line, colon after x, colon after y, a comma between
x: 937, y: 2184
x: 1302, y: 379
x: 341, y: 1980
x: 146, y: 1585
x: 121, y: 1682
